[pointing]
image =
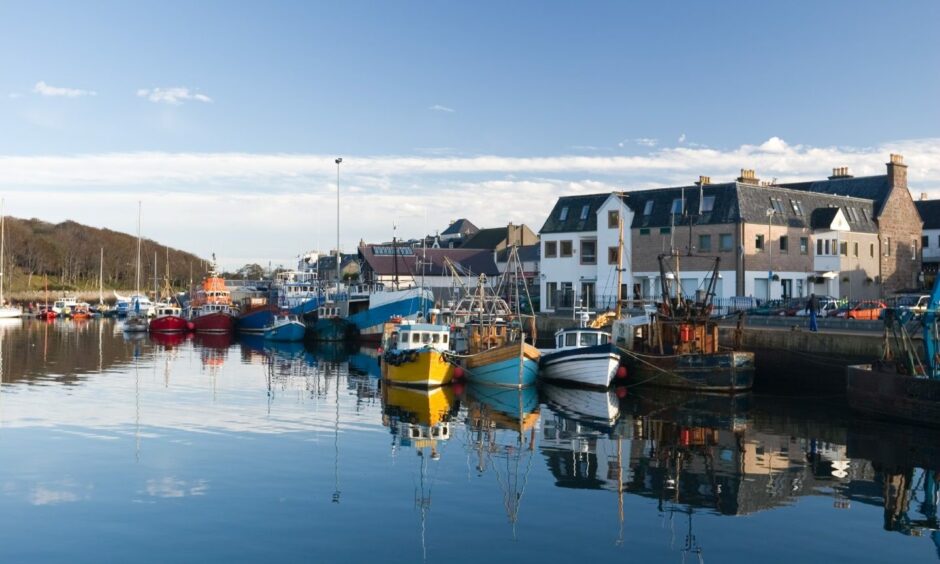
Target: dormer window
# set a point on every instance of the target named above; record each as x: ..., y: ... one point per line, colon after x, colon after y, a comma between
x: 676, y: 206
x: 564, y: 214
x: 648, y: 208
x: 584, y: 212
x: 708, y: 204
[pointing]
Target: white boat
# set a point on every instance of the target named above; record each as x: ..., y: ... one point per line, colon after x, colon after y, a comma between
x: 6, y: 310
x: 600, y: 407
x: 582, y: 355
x: 63, y: 306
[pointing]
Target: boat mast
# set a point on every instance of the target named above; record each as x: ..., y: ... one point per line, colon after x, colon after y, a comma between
x: 617, y: 310
x: 101, y: 278
x: 3, y: 233
x: 338, y: 254
x: 137, y: 282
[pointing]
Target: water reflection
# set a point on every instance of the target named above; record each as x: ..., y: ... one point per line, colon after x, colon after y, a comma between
x: 304, y: 444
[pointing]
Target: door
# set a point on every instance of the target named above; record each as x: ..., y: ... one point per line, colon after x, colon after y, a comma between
x: 761, y: 289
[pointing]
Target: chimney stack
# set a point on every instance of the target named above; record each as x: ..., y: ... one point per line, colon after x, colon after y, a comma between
x: 840, y: 172
x: 704, y: 180
x: 748, y: 177
x: 923, y: 196
x: 897, y: 172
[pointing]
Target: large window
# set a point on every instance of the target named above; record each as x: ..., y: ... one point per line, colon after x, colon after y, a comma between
x: 612, y: 254
x: 819, y: 247
x: 677, y: 206
x: 797, y: 207
x: 551, y: 249
x: 587, y: 294
x: 705, y: 243
x: 784, y: 244
x: 588, y: 252
x: 566, y: 249
x: 551, y: 291
x: 613, y: 219
x: 725, y: 242
x: 844, y: 248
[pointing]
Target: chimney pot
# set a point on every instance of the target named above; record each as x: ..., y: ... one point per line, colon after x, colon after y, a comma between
x: 897, y: 159
x: 703, y: 180
x: 748, y: 176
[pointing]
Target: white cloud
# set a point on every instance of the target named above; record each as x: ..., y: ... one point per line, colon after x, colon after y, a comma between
x: 292, y: 197
x: 174, y: 96
x: 440, y: 108
x: 641, y: 141
x: 48, y: 90
x: 681, y: 138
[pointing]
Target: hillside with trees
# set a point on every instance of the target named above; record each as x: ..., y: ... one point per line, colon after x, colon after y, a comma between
x: 68, y: 255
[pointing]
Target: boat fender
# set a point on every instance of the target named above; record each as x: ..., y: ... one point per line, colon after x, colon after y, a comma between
x: 458, y: 373
x: 621, y: 392
x: 621, y: 372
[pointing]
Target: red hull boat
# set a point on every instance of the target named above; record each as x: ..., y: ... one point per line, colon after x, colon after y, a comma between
x: 169, y: 324
x: 214, y: 322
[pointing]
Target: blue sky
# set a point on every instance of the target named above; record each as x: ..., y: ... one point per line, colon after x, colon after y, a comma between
x: 210, y: 90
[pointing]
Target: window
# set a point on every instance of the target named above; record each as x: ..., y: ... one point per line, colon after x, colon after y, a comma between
x: 613, y: 219
x: 925, y: 242
x: 865, y: 214
x: 551, y: 290
x: 784, y: 244
x: 403, y: 339
x: 844, y: 248
x: 444, y: 338
x: 725, y: 242
x: 416, y: 337
x: 644, y: 231
x: 435, y: 337
x: 566, y: 249
x: 819, y: 247
x: 759, y: 242
x: 797, y: 207
x: 612, y: 254
x: 705, y: 243
x: 584, y: 211
x: 589, y: 339
x: 708, y: 204
x: 855, y: 248
x: 571, y: 339
x: 648, y: 208
x: 664, y: 230
x: 827, y: 247
x: 888, y: 247
x: 777, y: 205
x: 551, y: 249
x: 587, y: 294
x: 676, y: 206
x: 804, y: 246
x: 564, y: 214
x: 588, y: 252
x: 835, y: 246
x: 871, y: 250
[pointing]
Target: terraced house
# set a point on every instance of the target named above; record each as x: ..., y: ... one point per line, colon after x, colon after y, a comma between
x: 843, y: 236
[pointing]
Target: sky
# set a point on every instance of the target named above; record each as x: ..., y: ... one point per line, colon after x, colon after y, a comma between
x: 224, y: 118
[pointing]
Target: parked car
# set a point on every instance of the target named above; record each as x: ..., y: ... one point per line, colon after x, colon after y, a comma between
x: 841, y: 310
x: 827, y: 305
x: 769, y: 307
x: 868, y: 310
x: 916, y: 303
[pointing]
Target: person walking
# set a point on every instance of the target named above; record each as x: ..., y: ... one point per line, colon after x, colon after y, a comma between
x: 812, y: 306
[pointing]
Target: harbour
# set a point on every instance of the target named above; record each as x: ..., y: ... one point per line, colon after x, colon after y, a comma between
x: 222, y: 443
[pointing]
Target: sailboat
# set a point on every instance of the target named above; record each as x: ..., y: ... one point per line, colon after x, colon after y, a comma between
x: 136, y: 321
x: 6, y: 310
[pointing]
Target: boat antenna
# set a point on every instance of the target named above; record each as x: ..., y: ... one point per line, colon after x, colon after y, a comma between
x: 620, y: 206
x: 338, y: 253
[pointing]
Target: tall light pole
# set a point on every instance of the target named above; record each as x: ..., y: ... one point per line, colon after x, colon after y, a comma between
x: 338, y: 260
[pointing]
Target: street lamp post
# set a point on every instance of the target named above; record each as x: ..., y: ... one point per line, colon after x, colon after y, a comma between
x: 338, y: 260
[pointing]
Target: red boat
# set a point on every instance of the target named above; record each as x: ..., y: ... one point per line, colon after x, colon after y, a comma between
x: 211, y: 310
x: 169, y: 319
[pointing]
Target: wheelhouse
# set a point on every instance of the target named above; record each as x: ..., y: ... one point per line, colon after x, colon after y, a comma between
x: 415, y: 336
x: 579, y: 337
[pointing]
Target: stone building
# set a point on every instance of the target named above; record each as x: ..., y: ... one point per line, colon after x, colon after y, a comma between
x: 930, y: 239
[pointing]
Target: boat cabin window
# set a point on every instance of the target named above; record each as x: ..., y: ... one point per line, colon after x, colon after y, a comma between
x: 425, y: 338
x: 404, y: 338
x: 560, y: 341
x: 444, y: 338
x: 588, y: 339
x: 436, y: 338
x: 605, y: 338
x: 416, y: 337
x: 571, y: 339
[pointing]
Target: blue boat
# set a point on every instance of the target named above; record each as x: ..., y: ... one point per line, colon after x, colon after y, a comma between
x: 286, y: 327
x: 256, y: 320
x: 338, y: 318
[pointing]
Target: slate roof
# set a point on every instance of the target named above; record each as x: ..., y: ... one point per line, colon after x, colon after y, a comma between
x: 822, y: 218
x: 874, y: 188
x: 328, y: 262
x: 476, y: 261
x: 929, y: 211
x: 461, y: 227
x: 734, y: 201
x: 573, y: 222
x: 486, y: 239
x: 527, y: 253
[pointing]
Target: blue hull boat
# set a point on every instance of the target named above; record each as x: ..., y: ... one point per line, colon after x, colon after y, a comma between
x: 505, y: 373
x: 256, y: 320
x: 286, y: 328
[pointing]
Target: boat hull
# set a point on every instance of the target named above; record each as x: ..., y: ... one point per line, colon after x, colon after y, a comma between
x: 332, y: 329
x: 368, y: 325
x: 587, y: 366
x: 255, y: 320
x: 217, y: 322
x: 500, y: 366
x: 596, y: 407
x: 881, y: 391
x: 722, y: 372
x: 289, y: 332
x: 135, y: 325
x: 422, y: 368
x: 169, y: 324
x: 8, y: 312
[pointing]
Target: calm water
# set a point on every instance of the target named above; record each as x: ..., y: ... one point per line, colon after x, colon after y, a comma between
x: 208, y: 450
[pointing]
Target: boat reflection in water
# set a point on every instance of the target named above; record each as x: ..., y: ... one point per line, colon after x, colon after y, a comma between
x: 420, y: 419
x: 501, y: 423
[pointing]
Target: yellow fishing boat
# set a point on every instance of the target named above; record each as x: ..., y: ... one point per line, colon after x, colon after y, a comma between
x: 415, y: 354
